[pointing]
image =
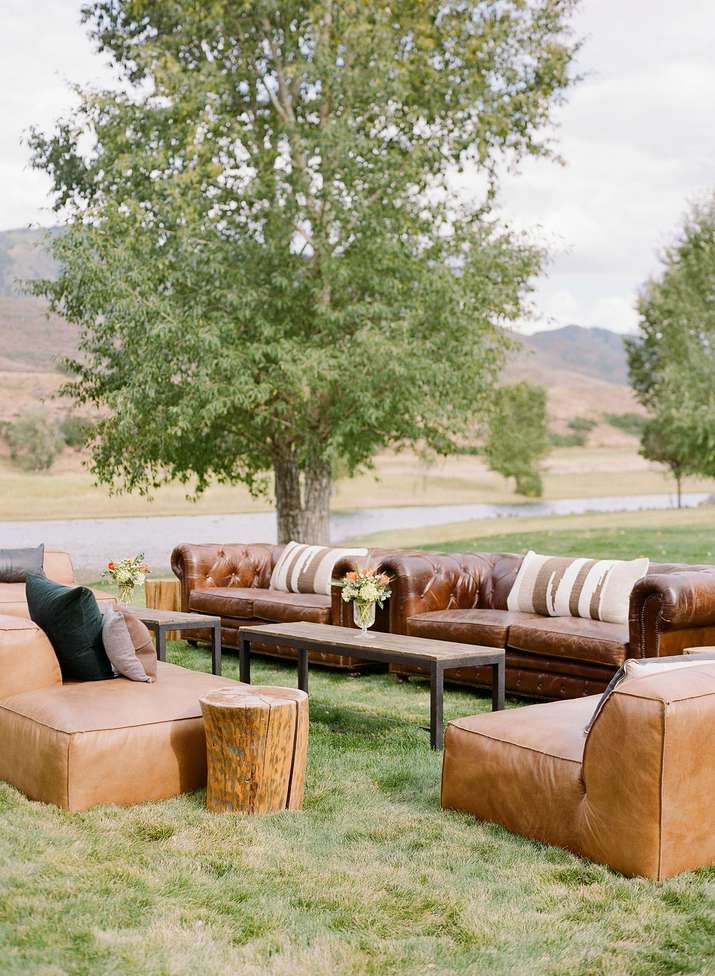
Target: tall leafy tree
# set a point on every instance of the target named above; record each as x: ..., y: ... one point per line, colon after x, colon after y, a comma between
x: 266, y: 254
x: 672, y: 360
x: 518, y: 436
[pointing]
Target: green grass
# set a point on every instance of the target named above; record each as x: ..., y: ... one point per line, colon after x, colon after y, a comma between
x: 372, y: 879
x: 667, y: 543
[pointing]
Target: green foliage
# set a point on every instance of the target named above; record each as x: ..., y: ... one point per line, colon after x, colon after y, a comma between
x: 672, y: 361
x: 265, y: 252
x: 518, y: 435
x: 34, y: 440
x: 630, y: 423
x: 572, y: 439
x: 582, y: 425
x: 76, y: 430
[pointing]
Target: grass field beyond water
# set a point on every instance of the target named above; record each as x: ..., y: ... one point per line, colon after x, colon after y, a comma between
x: 372, y: 879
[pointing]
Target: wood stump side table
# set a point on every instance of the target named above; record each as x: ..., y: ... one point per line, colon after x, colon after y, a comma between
x: 256, y: 747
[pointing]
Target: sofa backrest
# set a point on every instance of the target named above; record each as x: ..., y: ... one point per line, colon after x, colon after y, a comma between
x: 27, y: 661
x: 58, y: 567
x: 649, y: 773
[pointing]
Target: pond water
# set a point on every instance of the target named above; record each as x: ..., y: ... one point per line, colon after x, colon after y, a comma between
x: 92, y: 542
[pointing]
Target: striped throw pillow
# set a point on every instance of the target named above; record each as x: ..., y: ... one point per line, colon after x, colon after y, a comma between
x: 308, y: 569
x: 557, y: 586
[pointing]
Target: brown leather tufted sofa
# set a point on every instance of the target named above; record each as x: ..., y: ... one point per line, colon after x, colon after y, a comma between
x: 644, y: 810
x: 462, y: 597
x: 232, y: 581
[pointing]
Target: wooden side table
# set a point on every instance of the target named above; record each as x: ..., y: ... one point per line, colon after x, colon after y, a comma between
x: 256, y: 747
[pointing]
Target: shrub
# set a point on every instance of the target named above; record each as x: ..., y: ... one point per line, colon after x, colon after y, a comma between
x: 582, y: 425
x: 34, y: 440
x: 631, y: 423
x: 76, y: 430
x: 567, y: 440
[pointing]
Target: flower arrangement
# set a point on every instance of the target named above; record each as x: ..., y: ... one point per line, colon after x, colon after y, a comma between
x: 127, y: 574
x: 364, y: 589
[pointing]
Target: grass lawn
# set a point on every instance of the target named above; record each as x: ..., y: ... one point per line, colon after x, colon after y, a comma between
x: 372, y: 878
x: 664, y: 536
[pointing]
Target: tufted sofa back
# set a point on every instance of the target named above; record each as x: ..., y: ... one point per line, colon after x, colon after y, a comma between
x: 199, y: 567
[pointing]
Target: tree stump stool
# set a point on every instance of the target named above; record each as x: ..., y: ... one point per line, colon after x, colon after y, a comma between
x: 163, y: 594
x: 256, y: 746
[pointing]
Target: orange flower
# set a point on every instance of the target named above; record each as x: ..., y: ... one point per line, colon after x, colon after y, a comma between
x: 110, y: 566
x: 384, y: 579
x: 351, y: 576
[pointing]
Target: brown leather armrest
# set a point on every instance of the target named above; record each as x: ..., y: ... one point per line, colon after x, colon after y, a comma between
x: 425, y: 581
x: 233, y: 564
x: 669, y: 601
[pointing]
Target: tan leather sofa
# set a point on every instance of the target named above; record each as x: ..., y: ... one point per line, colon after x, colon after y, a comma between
x: 80, y: 744
x: 463, y: 597
x: 636, y: 793
x: 57, y: 566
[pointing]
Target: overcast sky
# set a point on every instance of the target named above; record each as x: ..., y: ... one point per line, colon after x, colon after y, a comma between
x: 637, y: 136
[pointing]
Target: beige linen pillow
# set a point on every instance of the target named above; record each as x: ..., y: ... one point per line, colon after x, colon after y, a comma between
x: 558, y: 586
x: 128, y: 645
x: 308, y: 569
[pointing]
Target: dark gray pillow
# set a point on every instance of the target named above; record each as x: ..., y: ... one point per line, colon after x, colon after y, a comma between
x: 17, y: 564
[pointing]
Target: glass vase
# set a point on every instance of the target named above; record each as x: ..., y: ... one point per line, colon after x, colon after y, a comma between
x: 364, y: 616
x: 125, y: 594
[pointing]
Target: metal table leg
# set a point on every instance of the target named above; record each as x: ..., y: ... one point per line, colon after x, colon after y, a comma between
x: 244, y: 660
x: 498, y: 682
x: 436, y: 691
x: 216, y: 648
x: 161, y: 643
x: 303, y: 669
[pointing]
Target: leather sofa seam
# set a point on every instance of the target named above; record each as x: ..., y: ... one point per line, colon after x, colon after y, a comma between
x: 517, y: 745
x: 110, y: 728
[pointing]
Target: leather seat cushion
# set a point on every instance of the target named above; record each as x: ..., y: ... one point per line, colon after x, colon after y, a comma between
x: 573, y: 638
x: 224, y: 601
x: 477, y: 626
x: 275, y: 605
x: 117, y: 741
x: 520, y: 768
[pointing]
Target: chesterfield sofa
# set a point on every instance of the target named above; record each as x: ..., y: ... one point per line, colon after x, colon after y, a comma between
x: 232, y: 581
x: 463, y: 598
x: 644, y: 810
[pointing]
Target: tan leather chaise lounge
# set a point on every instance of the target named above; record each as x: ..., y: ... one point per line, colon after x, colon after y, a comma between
x: 233, y: 582
x: 463, y: 597
x: 82, y: 743
x: 636, y: 793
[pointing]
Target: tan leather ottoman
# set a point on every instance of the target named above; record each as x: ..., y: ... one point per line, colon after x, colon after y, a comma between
x: 81, y: 744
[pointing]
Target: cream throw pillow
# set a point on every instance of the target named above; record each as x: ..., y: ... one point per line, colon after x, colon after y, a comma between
x: 308, y: 569
x: 558, y: 586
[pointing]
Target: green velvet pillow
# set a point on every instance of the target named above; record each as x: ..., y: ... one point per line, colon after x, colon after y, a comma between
x: 70, y: 617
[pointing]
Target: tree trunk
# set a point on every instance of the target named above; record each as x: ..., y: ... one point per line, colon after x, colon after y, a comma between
x: 303, y: 501
x: 679, y: 488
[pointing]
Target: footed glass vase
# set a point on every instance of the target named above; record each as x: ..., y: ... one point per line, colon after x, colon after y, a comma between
x: 364, y: 616
x: 125, y: 594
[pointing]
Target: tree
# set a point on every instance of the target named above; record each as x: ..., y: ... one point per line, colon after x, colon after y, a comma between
x: 518, y: 436
x: 265, y: 252
x: 672, y: 360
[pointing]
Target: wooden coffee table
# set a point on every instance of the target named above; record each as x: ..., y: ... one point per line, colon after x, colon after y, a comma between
x: 436, y: 656
x: 162, y: 622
